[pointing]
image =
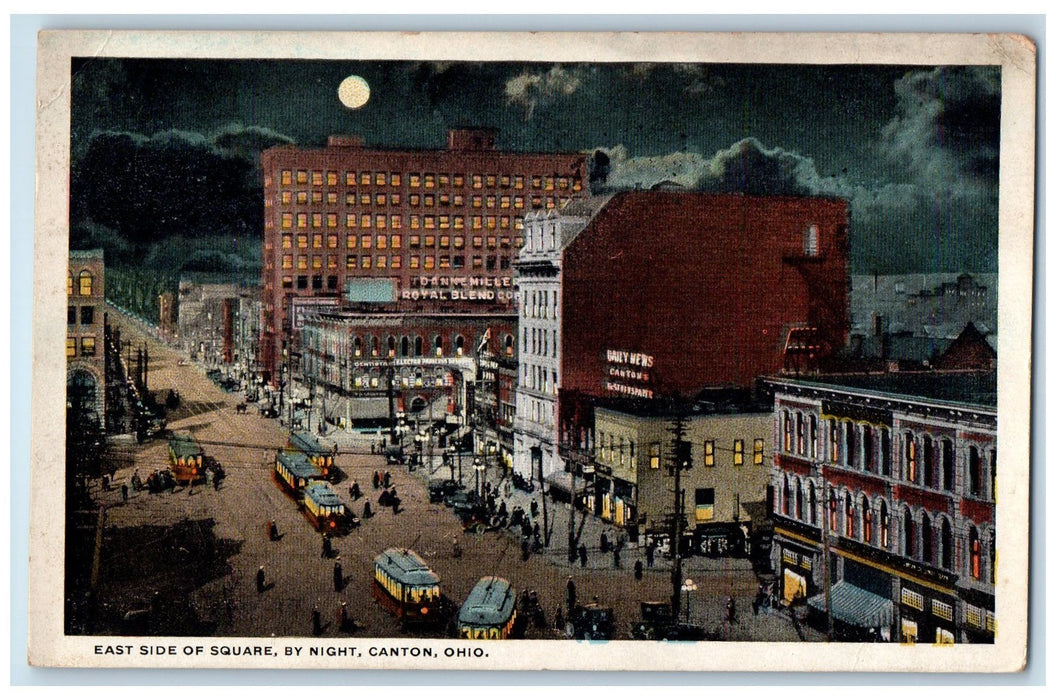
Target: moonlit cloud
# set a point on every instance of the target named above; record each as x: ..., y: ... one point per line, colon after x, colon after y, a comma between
x: 533, y: 90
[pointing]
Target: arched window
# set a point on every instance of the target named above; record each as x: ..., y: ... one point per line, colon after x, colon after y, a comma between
x: 848, y: 443
x: 800, y: 437
x: 418, y: 349
x: 786, y: 497
x: 867, y: 448
x: 834, y: 441
x: 460, y: 345
x: 975, y: 471
x: 438, y: 345
x: 848, y: 516
x: 947, y: 464
x: 357, y: 346
x: 392, y: 346
x: 85, y: 283
x: 813, y: 440
x: 833, y: 512
x: 375, y: 346
x: 929, y: 462
x: 799, y: 499
x: 975, y: 553
x: 911, y: 457
x: 909, y: 535
x: 787, y: 430
x: 885, y: 526
x: 509, y: 345
x: 946, y: 543
x: 812, y: 503
x: 885, y: 452
x: 405, y: 346
x: 927, y: 549
x: 867, y: 521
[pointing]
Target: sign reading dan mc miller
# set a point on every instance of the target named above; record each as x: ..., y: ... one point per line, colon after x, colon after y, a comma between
x: 469, y: 288
x: 629, y: 373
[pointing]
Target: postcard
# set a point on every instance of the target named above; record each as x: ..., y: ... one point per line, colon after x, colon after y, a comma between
x: 533, y: 351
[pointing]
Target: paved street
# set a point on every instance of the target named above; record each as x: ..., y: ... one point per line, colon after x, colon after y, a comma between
x: 199, y: 548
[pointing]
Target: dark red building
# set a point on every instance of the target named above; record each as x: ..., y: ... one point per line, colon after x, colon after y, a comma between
x: 414, y: 231
x: 668, y: 292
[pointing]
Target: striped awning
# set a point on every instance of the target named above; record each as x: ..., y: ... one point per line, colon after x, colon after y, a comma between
x: 856, y: 606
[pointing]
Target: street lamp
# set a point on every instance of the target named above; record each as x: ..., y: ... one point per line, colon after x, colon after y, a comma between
x: 688, y: 586
x: 478, y: 467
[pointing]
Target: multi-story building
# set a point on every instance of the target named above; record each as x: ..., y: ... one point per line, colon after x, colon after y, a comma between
x: 206, y: 320
x: 348, y: 358
x: 725, y: 488
x: 491, y: 406
x: 85, y: 341
x: 660, y: 293
x: 435, y: 230
x: 883, y: 503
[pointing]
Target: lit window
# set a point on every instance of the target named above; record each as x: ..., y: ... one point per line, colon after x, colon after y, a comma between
x: 317, y: 240
x: 331, y: 240
x: 302, y: 177
x: 654, y: 454
x: 350, y: 262
x: 709, y: 453
x: 302, y: 262
x: 478, y: 182
x: 414, y: 262
x: 350, y: 220
x: 415, y: 180
x: 287, y: 177
x: 430, y: 222
x: 364, y: 262
x: 317, y: 262
x: 364, y: 221
x: 459, y: 240
x: 445, y: 262
x: 331, y: 197
x: 395, y: 221
x: 395, y: 262
x: 458, y: 180
x: 350, y: 179
x: 396, y: 240
x: 394, y: 199
x: 379, y: 221
x: 317, y: 196
x: 460, y: 222
x: 302, y: 221
x: 383, y: 241
x: 381, y: 261
x: 287, y: 262
x: 287, y: 197
x: 287, y: 220
x: 490, y: 181
x: 380, y: 199
x: 364, y: 178
x: 364, y: 199
x: 445, y: 222
x: 458, y: 200
x: 429, y: 241
x: 365, y: 241
x: 738, y: 452
x: 85, y: 283
x: 757, y: 452
x: 317, y: 220
x: 331, y: 178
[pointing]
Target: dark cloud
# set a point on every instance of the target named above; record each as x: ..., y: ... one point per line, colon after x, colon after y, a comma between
x: 947, y: 130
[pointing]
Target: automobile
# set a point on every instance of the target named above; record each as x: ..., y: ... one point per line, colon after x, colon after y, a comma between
x: 395, y: 455
x: 269, y: 411
x: 440, y: 489
x: 459, y: 499
x: 590, y: 621
x: 214, y: 374
x: 657, y: 622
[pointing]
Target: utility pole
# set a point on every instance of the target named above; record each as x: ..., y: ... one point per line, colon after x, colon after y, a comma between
x: 826, y: 574
x: 681, y: 458
x: 392, y: 403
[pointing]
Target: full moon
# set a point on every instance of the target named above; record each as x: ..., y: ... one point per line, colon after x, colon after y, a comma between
x: 353, y: 92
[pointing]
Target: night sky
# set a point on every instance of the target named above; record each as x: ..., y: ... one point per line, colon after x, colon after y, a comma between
x: 165, y: 151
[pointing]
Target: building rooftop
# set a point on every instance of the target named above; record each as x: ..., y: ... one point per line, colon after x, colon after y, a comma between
x: 964, y: 388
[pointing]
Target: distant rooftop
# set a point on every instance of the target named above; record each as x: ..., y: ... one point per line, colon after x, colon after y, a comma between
x: 967, y: 388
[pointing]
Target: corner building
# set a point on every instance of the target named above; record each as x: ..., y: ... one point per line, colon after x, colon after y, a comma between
x: 884, y: 504
x: 651, y: 294
x: 408, y: 231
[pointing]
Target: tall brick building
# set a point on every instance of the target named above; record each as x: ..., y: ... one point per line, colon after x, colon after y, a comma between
x: 405, y: 231
x: 648, y: 294
x: 85, y: 335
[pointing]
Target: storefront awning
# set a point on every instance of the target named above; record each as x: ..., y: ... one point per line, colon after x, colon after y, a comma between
x: 856, y: 606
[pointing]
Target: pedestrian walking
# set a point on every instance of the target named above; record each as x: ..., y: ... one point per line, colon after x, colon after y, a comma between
x: 525, y: 549
x: 395, y: 500
x: 388, y: 479
x: 317, y: 621
x: 124, y: 492
x: 615, y: 558
x: 650, y: 553
x: 325, y: 553
x: 344, y: 623
x: 535, y: 531
x: 570, y: 595
x: 604, y: 541
x: 638, y: 570
x: 559, y: 619
x: 583, y: 555
x: 535, y: 509
x: 273, y: 531
x: 731, y: 610
x: 373, y: 448
x: 366, y: 510
x: 354, y: 490
x: 339, y: 578
x: 260, y: 579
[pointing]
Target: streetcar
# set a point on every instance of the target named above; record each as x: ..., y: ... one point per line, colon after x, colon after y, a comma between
x: 324, y: 509
x: 490, y: 610
x: 406, y: 587
x: 185, y: 459
x: 294, y: 472
x: 322, y: 458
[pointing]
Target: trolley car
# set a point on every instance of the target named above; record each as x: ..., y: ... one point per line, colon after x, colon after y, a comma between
x: 185, y: 459
x: 406, y: 587
x: 324, y: 508
x: 322, y: 458
x: 294, y: 472
x: 490, y: 610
